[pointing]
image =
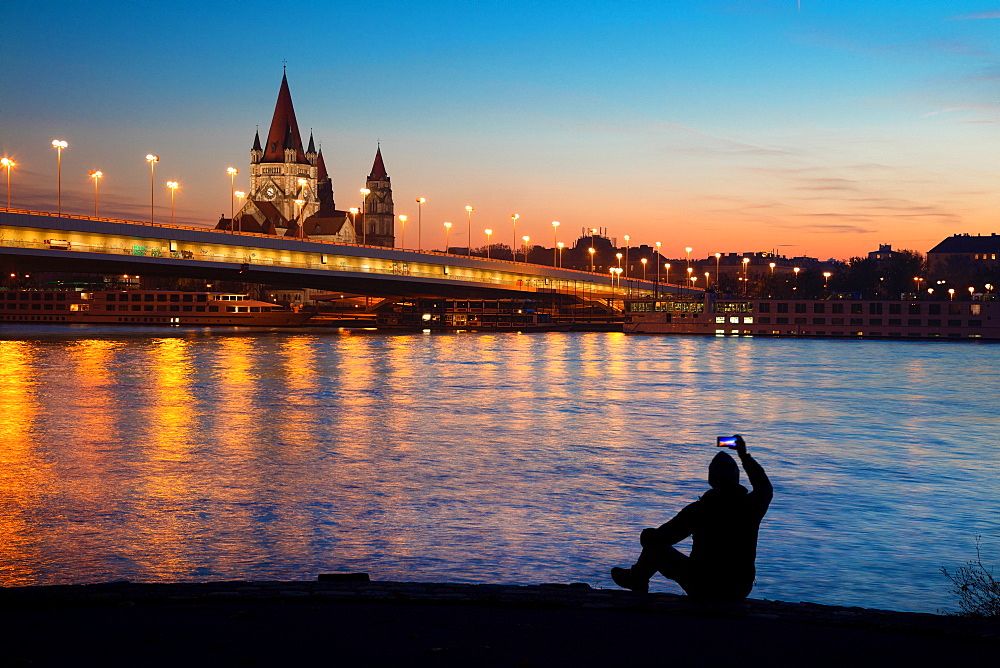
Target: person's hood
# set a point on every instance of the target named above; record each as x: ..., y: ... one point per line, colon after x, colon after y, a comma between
x: 723, y: 471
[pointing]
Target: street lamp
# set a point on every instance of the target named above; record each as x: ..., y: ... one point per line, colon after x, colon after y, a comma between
x: 97, y: 175
x: 772, y: 265
x: 354, y: 212
x: 951, y: 294
x: 826, y: 279
x: 666, y: 275
x: 688, y: 251
x: 627, y: 238
x: 365, y: 192
x: 718, y: 259
x: 468, y: 230
x: 526, y: 240
x: 7, y: 164
x: 489, y: 233
x: 173, y: 185
x: 707, y: 276
x: 402, y: 223
x: 690, y: 271
x: 555, y: 250
x: 591, y: 251
x: 232, y: 171
x: 619, y: 257
x: 513, y: 247
x: 559, y: 247
x: 447, y: 235
x: 658, y: 244
x: 420, y: 201
x: 299, y: 203
x: 746, y: 263
x: 152, y: 160
x: 59, y: 146
x: 644, y: 261
x: 239, y: 198
x: 796, y: 270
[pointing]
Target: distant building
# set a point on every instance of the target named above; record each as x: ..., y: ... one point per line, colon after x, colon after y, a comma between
x: 291, y: 192
x: 883, y: 254
x: 965, y: 251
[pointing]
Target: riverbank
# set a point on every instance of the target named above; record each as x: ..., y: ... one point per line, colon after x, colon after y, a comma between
x: 396, y: 623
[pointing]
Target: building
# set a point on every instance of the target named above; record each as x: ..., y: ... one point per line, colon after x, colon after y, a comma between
x: 964, y: 253
x: 291, y: 192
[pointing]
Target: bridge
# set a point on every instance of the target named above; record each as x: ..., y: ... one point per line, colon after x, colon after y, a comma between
x: 48, y: 242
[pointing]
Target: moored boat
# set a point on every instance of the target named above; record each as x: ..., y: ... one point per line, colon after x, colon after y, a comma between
x: 144, y: 307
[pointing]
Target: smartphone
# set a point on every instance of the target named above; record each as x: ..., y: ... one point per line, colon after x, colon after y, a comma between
x: 727, y: 441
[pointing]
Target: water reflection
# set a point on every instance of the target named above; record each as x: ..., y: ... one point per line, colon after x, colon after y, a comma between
x: 499, y: 457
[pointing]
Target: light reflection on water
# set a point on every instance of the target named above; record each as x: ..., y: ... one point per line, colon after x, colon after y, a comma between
x: 186, y: 455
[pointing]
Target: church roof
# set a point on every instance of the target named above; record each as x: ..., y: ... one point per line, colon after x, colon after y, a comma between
x: 321, y: 167
x: 317, y: 225
x: 312, y: 144
x: 284, y: 132
x: 256, y: 141
x: 378, y: 168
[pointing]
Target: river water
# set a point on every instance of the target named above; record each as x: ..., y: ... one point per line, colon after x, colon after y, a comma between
x: 171, y: 455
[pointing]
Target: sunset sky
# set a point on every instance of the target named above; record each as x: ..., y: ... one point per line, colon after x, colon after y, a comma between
x: 820, y: 128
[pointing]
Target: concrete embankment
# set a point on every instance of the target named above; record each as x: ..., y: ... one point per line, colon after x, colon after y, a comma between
x: 404, y: 624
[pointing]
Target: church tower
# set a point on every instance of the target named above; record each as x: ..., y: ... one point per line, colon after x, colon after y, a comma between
x: 379, y: 220
x: 282, y: 170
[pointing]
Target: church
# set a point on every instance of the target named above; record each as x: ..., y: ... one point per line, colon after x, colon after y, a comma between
x: 291, y: 193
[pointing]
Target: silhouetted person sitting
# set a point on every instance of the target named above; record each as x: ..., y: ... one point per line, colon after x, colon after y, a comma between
x: 723, y: 525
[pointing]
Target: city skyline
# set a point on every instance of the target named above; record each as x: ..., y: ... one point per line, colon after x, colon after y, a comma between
x: 823, y: 130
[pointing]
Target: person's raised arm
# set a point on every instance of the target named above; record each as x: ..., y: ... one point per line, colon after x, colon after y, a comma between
x: 755, y: 472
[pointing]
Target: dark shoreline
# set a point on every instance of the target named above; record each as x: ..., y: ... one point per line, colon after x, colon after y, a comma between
x: 397, y: 623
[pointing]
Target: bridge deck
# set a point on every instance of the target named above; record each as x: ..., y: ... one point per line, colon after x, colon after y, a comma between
x: 79, y: 243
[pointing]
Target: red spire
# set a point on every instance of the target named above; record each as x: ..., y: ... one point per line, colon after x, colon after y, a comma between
x: 321, y: 172
x: 378, y: 169
x: 284, y: 132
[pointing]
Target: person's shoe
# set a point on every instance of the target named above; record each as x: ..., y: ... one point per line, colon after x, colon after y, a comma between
x: 623, y: 578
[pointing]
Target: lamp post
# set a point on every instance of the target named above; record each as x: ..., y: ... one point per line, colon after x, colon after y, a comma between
x: 402, y: 223
x: 707, y: 276
x: 688, y: 251
x: 489, y: 233
x: 555, y: 250
x: 916, y: 283
x: 513, y: 246
x: 232, y: 171
x: 420, y: 202
x: 526, y: 239
x: 365, y: 192
x: 618, y: 256
x: 627, y: 238
x: 718, y: 258
x: 59, y: 146
x: 796, y: 270
x: 591, y: 251
x: 559, y: 248
x: 7, y: 163
x: 951, y: 294
x: 658, y: 244
x: 447, y: 235
x: 97, y: 175
x: 690, y: 271
x: 173, y: 185
x: 826, y: 279
x: 152, y: 160
x: 666, y: 275
x: 772, y: 266
x: 468, y: 229
x: 299, y: 203
x: 239, y: 198
x: 354, y: 212
x: 644, y: 261
x: 746, y: 262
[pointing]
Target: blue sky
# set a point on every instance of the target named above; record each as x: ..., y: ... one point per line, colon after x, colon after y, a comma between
x: 722, y: 125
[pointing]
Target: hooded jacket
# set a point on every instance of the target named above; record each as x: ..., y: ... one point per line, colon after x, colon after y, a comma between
x: 723, y: 525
